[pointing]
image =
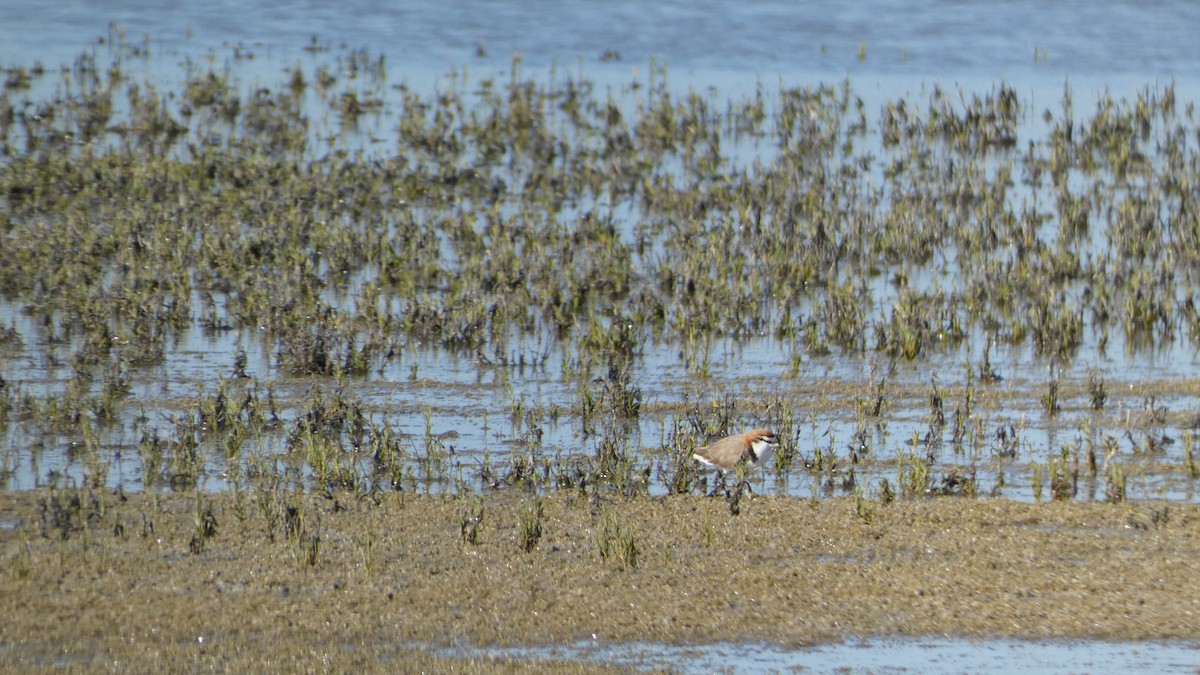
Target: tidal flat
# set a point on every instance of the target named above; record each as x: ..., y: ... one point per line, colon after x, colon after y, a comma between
x: 239, y: 581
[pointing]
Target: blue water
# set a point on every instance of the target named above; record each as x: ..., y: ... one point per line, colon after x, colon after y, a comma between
x: 1023, y: 42
x: 902, y: 655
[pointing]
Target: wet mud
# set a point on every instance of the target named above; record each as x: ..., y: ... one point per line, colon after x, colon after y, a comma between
x: 330, y: 582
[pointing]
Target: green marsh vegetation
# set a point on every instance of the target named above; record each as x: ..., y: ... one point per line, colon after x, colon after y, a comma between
x: 340, y: 225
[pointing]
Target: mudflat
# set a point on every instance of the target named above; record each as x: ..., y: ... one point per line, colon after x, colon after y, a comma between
x: 242, y: 580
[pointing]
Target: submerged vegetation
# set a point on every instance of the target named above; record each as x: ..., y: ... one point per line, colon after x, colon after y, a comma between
x: 333, y: 227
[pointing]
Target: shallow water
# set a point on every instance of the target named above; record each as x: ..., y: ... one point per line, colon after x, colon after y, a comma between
x: 436, y: 392
x: 875, y: 655
x: 948, y: 41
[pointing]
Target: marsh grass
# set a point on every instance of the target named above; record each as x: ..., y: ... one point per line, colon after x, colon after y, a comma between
x: 616, y: 541
x: 205, y: 526
x: 366, y: 546
x: 864, y: 508
x: 1189, y: 455
x: 66, y: 513
x: 529, y: 532
x: 1050, y: 403
x: 1063, y: 473
x: 564, y: 237
x: 913, y: 476
x: 677, y: 469
x: 302, y: 534
x: 469, y: 523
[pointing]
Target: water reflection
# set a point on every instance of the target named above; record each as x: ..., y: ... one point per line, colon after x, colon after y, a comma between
x: 876, y: 655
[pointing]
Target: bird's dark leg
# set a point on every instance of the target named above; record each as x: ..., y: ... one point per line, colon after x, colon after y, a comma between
x: 734, y: 498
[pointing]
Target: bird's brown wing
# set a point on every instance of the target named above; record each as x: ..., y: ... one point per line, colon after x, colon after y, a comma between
x: 726, y: 452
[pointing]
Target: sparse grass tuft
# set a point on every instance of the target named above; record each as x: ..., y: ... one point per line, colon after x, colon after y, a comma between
x: 615, y: 541
x: 529, y: 532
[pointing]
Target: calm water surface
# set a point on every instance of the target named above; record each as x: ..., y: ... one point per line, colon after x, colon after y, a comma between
x: 1023, y: 41
x: 929, y: 655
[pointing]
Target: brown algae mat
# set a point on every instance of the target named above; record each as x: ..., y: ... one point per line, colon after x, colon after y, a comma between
x: 233, y: 581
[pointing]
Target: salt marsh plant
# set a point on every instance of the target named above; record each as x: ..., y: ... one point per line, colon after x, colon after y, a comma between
x: 65, y: 513
x: 676, y: 467
x: 1050, y: 402
x: 205, y: 526
x: 512, y: 220
x: 469, y: 523
x: 864, y: 509
x: 1116, y: 478
x: 614, y: 464
x: 303, y: 537
x: 1063, y: 472
x: 886, y: 494
x: 913, y: 475
x: 1037, y: 477
x: 1096, y: 393
x: 1116, y: 483
x: 1190, y: 463
x: 20, y: 563
x: 529, y: 531
x: 615, y: 541
x: 366, y: 552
